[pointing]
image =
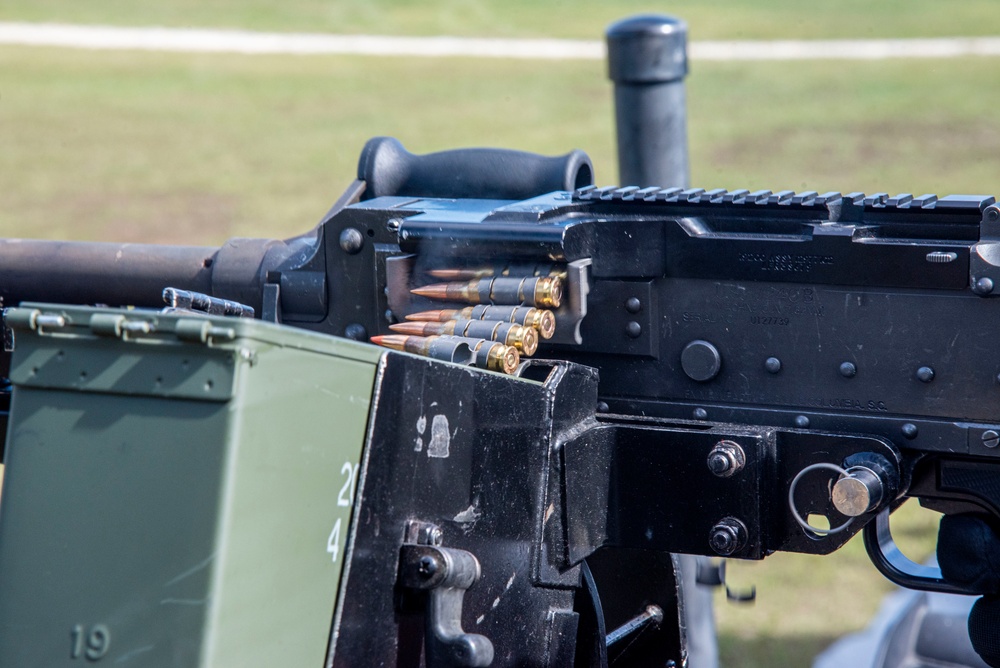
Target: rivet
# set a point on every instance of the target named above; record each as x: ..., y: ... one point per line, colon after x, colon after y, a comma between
x: 602, y: 407
x: 772, y: 364
x: 910, y: 430
x: 801, y: 421
x: 633, y: 329
x: 925, y: 374
x: 983, y: 286
x: 700, y: 414
x: 351, y: 240
x: 356, y: 331
x: 633, y: 305
x: 848, y: 370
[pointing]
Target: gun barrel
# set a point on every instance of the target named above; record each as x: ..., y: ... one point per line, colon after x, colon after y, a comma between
x: 110, y: 273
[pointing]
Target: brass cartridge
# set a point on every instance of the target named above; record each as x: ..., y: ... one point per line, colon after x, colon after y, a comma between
x: 435, y: 347
x: 492, y: 355
x: 541, y: 319
x: 545, y: 291
x: 525, y: 339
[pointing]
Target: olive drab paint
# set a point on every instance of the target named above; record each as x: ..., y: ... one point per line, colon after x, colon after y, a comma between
x: 178, y: 488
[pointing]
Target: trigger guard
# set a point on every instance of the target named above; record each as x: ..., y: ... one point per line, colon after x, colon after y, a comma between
x: 899, y: 568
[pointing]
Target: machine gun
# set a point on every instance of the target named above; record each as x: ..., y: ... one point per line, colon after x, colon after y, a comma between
x: 195, y: 488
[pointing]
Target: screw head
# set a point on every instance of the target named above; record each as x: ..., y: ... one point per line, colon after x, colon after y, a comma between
x: 351, y: 240
x: 991, y: 439
x: 992, y: 213
x: 848, y: 370
x: 393, y: 224
x: 428, y: 566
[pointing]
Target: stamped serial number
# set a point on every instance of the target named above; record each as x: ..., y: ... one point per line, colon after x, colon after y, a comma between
x: 768, y: 320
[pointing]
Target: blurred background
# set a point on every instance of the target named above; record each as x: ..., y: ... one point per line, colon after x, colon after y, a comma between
x: 194, y: 148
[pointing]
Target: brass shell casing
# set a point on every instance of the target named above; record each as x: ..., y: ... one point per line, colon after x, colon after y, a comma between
x: 542, y: 320
x: 502, y: 358
x: 548, y: 292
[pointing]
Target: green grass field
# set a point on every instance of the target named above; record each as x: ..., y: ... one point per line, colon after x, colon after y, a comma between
x: 197, y: 148
x: 194, y: 149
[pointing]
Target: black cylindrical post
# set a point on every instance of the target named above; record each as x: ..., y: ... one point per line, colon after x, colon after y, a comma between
x: 647, y: 61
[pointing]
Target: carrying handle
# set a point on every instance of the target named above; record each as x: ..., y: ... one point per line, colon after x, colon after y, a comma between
x: 477, y: 173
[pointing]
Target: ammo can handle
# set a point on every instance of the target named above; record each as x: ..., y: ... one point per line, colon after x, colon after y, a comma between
x: 478, y: 173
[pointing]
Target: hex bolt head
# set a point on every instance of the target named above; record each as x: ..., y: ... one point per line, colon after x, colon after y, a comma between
x: 723, y: 540
x: 991, y: 439
x: 728, y: 536
x: 719, y: 464
x: 428, y: 566
x: 848, y: 370
x: 726, y: 459
x: 925, y: 374
x: 351, y: 240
